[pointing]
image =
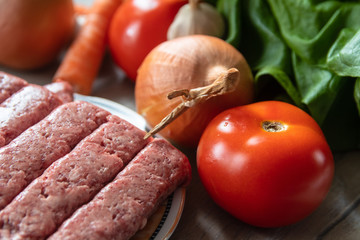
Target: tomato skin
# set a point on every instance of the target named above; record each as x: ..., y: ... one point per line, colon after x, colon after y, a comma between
x: 267, y: 179
x: 137, y: 27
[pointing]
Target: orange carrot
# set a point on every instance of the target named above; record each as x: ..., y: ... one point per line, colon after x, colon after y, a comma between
x: 83, y: 59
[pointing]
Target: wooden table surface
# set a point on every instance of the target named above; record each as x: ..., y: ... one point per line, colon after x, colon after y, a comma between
x: 338, y: 217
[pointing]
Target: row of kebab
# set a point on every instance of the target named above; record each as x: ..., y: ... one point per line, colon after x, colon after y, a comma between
x: 72, y: 170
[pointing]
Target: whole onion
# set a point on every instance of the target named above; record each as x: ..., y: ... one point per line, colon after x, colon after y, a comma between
x: 192, y: 63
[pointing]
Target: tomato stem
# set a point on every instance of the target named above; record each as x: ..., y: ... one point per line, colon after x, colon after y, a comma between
x: 273, y: 126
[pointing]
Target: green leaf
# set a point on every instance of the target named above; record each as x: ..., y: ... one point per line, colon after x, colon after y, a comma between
x: 318, y: 87
x: 231, y: 10
x: 267, y: 53
x: 308, y: 29
x: 311, y: 27
x: 261, y: 42
x: 344, y: 56
x: 282, y: 79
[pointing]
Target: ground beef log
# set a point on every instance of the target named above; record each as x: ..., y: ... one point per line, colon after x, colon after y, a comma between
x: 71, y: 181
x: 9, y: 84
x: 62, y: 89
x: 23, y: 109
x: 27, y: 156
x: 120, y: 209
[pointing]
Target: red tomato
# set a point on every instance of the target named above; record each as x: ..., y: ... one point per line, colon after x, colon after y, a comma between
x: 137, y: 27
x: 267, y: 163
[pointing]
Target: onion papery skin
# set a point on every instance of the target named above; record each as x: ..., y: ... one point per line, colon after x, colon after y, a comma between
x: 185, y: 63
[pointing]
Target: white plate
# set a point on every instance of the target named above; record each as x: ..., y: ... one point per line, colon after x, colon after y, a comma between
x: 164, y: 221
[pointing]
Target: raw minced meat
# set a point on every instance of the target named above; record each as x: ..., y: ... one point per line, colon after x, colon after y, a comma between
x: 71, y: 181
x: 23, y: 109
x: 9, y: 84
x: 120, y: 209
x: 34, y: 150
x: 62, y: 89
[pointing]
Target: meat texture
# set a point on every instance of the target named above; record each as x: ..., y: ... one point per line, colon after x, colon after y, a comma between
x: 123, y: 206
x: 9, y: 84
x: 71, y: 181
x: 34, y: 150
x: 62, y: 89
x: 23, y: 109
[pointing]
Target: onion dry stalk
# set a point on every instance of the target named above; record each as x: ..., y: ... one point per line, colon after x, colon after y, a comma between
x: 225, y: 83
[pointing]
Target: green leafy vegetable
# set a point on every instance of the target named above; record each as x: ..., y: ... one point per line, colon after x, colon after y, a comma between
x: 344, y: 56
x: 318, y: 87
x: 306, y: 52
x: 357, y: 94
x: 282, y: 79
x: 307, y: 28
x: 262, y: 42
x: 230, y: 8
